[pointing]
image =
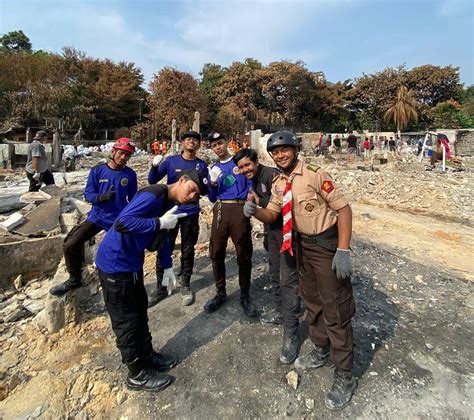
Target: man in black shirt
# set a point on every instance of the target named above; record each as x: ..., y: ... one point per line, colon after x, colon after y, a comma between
x: 283, y: 273
x: 351, y: 147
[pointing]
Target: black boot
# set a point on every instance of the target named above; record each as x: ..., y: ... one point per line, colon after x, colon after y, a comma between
x: 143, y: 378
x: 217, y: 301
x: 272, y: 317
x: 317, y: 358
x: 342, y: 389
x: 289, y: 348
x: 160, y: 361
x: 187, y: 294
x: 72, y: 283
x: 249, y: 309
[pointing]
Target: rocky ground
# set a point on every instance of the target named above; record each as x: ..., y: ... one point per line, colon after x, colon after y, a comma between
x: 412, y: 248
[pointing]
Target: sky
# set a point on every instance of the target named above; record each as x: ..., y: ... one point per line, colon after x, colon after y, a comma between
x: 342, y: 38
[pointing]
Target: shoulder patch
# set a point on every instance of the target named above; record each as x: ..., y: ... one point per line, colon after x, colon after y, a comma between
x: 314, y: 168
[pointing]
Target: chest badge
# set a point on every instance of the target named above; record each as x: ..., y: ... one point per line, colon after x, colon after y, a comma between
x: 327, y: 186
x: 264, y: 188
x: 124, y: 182
x: 309, y: 207
x: 235, y: 170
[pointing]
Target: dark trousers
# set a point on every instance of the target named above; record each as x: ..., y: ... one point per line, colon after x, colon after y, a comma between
x: 284, y: 280
x: 126, y: 302
x: 329, y: 302
x: 189, y: 226
x: 74, y: 245
x: 229, y: 220
x: 45, y: 178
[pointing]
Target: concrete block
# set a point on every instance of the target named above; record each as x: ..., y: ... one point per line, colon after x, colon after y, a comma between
x: 69, y: 220
x: 34, y: 197
x: 12, y: 222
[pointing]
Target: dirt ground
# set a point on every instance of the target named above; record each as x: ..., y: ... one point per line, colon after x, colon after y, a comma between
x: 412, y: 340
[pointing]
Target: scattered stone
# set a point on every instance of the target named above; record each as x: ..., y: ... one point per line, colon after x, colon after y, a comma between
x: 12, y: 222
x: 429, y: 346
x: 309, y: 403
x: 17, y: 283
x: 293, y: 379
x: 34, y: 197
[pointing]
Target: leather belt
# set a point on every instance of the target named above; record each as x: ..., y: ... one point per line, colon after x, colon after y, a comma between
x: 327, y: 239
x: 231, y: 201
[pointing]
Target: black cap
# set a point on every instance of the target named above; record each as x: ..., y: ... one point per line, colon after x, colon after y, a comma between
x: 214, y: 136
x: 191, y: 133
x: 198, y: 177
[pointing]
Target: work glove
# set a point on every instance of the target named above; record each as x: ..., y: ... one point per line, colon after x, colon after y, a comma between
x: 170, y: 219
x: 169, y: 280
x: 249, y: 208
x: 342, y: 264
x: 109, y: 195
x: 36, y: 176
x: 215, y: 173
x: 157, y: 160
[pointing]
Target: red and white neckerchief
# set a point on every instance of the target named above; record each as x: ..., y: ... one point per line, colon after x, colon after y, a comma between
x: 287, y: 217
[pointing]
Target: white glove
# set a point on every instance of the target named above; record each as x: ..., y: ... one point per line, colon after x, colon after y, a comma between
x: 36, y: 176
x: 170, y: 219
x: 157, y: 160
x: 169, y: 280
x: 215, y: 173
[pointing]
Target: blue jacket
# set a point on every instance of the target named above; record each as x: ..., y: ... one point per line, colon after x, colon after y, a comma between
x: 171, y: 167
x: 123, y: 248
x: 100, y: 179
x: 231, y: 185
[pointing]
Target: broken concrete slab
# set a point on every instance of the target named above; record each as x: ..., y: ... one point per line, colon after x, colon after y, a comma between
x: 12, y: 222
x: 81, y: 206
x: 69, y: 220
x: 10, y: 197
x: 32, y: 256
x: 43, y: 220
x: 34, y: 197
x: 53, y: 191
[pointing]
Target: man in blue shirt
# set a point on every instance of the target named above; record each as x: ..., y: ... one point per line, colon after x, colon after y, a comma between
x: 172, y: 167
x: 110, y: 186
x: 120, y: 259
x: 229, y: 189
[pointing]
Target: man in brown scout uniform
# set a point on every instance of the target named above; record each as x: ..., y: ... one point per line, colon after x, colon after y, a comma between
x: 321, y: 220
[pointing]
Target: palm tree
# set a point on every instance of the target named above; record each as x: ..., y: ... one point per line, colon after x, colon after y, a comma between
x: 403, y: 110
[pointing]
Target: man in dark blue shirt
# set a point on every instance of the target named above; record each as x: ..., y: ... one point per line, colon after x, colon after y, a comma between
x: 119, y: 261
x: 110, y: 186
x: 172, y: 167
x: 229, y: 190
x: 283, y: 272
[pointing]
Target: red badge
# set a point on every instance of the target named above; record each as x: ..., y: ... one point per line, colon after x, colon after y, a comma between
x: 327, y: 186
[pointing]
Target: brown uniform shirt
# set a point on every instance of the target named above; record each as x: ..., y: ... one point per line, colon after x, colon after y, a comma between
x: 315, y: 199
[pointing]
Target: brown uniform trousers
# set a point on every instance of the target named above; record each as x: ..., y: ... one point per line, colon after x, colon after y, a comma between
x: 329, y: 302
x: 229, y: 220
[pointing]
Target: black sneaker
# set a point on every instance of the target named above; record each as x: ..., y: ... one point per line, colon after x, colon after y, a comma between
x: 249, y: 309
x: 317, y: 358
x: 289, y: 349
x: 62, y: 288
x: 271, y: 317
x: 148, y: 380
x: 187, y: 295
x: 342, y: 390
x: 160, y: 361
x: 157, y: 296
x: 217, y: 301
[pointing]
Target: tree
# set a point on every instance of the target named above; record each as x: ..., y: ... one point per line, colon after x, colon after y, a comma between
x: 15, y: 41
x: 211, y: 76
x: 403, y: 110
x: 175, y: 95
x: 449, y: 115
x: 229, y: 120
